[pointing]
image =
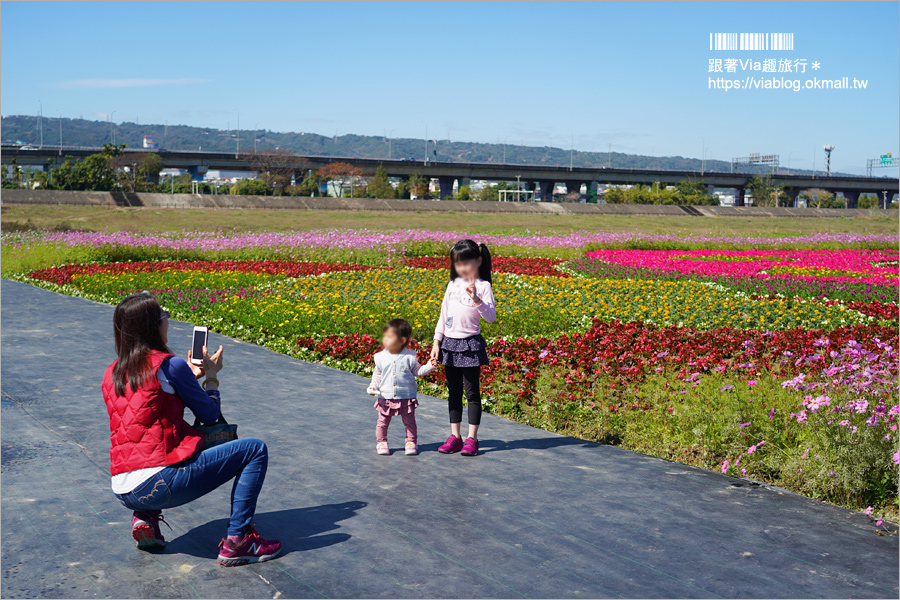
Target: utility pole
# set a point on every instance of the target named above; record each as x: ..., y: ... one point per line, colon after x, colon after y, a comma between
x: 60, y: 131
x: 166, y: 135
x: 41, y: 122
x: 238, y: 151
x: 609, y: 157
x: 112, y: 127
x: 426, y: 143
x: 390, y: 139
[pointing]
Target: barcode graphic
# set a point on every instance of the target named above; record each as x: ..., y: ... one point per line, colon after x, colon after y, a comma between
x: 751, y: 41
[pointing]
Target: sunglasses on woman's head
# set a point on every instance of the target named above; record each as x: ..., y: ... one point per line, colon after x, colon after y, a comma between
x: 164, y: 315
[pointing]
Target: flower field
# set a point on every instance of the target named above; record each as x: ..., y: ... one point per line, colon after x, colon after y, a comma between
x: 768, y: 358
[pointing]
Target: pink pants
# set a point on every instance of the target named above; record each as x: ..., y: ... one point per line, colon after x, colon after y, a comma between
x: 409, y: 421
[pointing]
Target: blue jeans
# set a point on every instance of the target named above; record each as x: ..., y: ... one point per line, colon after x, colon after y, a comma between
x: 244, y: 460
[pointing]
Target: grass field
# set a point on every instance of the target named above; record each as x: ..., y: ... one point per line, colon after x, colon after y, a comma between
x: 161, y: 220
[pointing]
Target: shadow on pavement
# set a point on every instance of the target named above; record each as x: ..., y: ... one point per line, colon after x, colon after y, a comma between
x: 299, y: 529
x: 486, y: 446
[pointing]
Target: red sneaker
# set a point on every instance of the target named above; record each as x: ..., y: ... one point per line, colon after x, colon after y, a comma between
x: 470, y: 448
x: 145, y: 530
x: 251, y: 549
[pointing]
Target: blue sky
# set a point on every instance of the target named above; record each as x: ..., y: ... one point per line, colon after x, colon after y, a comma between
x: 634, y: 75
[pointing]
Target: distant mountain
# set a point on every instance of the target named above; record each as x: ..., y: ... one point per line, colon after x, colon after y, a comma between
x: 82, y: 132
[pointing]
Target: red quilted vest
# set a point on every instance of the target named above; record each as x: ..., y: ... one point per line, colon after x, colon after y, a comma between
x: 147, y: 426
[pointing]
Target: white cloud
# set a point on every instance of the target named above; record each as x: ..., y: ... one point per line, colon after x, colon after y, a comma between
x: 125, y: 83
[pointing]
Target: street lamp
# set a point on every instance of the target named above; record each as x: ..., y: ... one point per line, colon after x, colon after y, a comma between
x: 390, y: 139
x: 789, y: 158
x: 255, y: 136
x: 59, y: 113
x: 702, y: 156
x: 112, y: 127
x: 426, y: 141
x: 238, y: 148
x: 504, y: 149
x: 41, y: 121
x: 572, y: 152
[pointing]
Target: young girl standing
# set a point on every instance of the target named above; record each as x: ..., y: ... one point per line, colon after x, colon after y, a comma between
x: 394, y: 384
x: 458, y: 343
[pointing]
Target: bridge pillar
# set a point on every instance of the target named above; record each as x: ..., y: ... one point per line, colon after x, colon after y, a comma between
x: 592, y: 187
x: 573, y: 187
x: 446, y: 183
x: 740, y: 195
x: 884, y: 203
x: 792, y: 194
x: 851, y: 199
x: 197, y: 172
x: 461, y: 181
x: 547, y: 190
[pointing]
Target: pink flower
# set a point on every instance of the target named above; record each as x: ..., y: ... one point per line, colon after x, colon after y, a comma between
x: 897, y: 457
x: 751, y: 383
x: 744, y: 472
x: 868, y: 511
x: 879, y: 522
x: 742, y: 425
x: 725, y: 466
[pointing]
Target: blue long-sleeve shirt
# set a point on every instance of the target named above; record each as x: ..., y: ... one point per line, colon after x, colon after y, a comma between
x: 175, y: 376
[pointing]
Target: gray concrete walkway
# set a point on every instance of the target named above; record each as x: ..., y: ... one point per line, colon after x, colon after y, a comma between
x: 536, y: 515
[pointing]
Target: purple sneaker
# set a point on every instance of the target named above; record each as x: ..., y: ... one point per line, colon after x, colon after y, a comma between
x: 470, y: 448
x: 452, y: 445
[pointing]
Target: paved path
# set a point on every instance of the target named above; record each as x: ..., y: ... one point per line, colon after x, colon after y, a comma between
x: 536, y: 515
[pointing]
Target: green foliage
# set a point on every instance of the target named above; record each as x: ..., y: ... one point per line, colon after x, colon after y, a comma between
x: 252, y: 187
x: 418, y: 185
x: 491, y: 193
x: 380, y: 186
x: 869, y: 201
x: 765, y: 193
x: 94, y: 173
x: 464, y: 194
x: 686, y: 193
x: 818, y: 198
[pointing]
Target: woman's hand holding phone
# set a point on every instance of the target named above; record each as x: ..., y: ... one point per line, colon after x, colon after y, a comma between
x: 211, y: 364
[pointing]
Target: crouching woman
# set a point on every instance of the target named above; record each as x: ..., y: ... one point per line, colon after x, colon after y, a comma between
x: 157, y: 460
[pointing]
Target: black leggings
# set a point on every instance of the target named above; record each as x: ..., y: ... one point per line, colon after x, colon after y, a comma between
x: 459, y: 378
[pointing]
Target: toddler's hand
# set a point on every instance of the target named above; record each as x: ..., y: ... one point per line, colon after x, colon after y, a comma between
x: 372, y: 391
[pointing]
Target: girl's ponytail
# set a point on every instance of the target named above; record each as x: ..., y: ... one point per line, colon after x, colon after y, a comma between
x: 484, y: 271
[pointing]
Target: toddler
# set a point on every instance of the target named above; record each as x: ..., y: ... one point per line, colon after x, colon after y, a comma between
x: 394, y: 384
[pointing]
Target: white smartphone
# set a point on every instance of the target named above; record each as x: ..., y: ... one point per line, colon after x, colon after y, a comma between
x: 201, y: 336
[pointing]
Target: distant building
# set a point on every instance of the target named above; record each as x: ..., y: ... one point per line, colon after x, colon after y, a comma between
x: 216, y: 175
x: 149, y: 144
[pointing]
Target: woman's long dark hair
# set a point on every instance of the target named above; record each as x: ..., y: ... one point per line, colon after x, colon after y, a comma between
x: 469, y: 250
x: 136, y: 327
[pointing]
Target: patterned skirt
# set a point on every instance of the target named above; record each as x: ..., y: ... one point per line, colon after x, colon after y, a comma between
x: 467, y: 352
x: 392, y: 408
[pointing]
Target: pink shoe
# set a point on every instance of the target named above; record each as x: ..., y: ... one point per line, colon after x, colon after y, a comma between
x: 453, y: 445
x: 470, y: 448
x: 251, y: 549
x: 145, y: 530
